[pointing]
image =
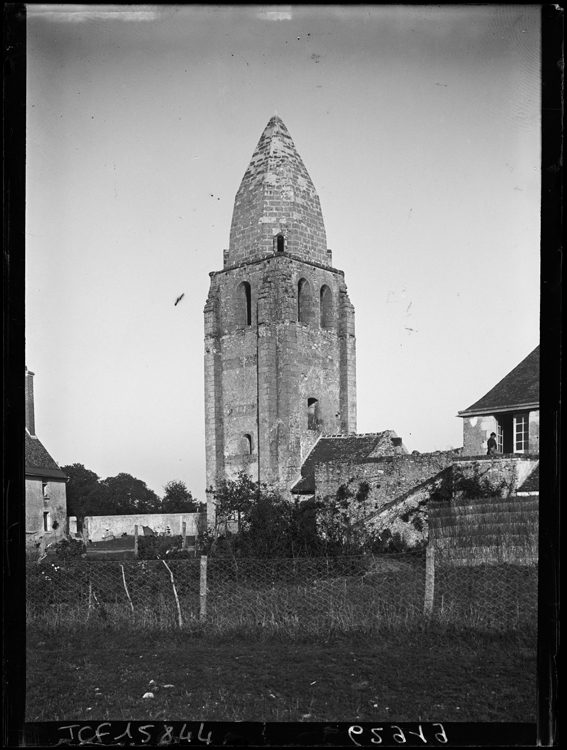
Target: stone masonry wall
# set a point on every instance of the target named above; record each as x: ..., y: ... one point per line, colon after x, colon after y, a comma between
x: 262, y: 366
x: 36, y: 504
x: 407, y: 514
x: 276, y: 196
x: 388, y: 477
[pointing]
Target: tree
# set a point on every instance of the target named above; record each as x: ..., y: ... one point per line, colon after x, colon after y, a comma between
x: 234, y: 498
x: 88, y: 495
x: 81, y: 482
x: 252, y: 520
x: 129, y: 495
x: 178, y: 499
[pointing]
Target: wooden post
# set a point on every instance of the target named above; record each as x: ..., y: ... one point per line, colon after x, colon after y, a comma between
x: 429, y: 580
x: 203, y: 589
x: 136, y: 540
x: 184, y: 535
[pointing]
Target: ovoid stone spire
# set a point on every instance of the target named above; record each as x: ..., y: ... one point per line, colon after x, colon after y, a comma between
x: 276, y: 199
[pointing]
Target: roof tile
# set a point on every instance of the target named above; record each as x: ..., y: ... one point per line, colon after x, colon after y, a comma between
x: 519, y: 387
x: 37, y: 458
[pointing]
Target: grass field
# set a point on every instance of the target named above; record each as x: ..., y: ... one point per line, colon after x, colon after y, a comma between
x: 406, y: 675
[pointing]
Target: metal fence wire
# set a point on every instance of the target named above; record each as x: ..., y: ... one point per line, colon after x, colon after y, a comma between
x: 307, y: 594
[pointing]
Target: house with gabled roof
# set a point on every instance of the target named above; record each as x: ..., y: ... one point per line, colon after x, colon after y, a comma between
x: 46, y: 498
x: 510, y: 410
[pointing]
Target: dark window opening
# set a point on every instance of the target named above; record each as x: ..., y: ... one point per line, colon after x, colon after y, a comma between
x: 326, y: 307
x: 280, y: 243
x: 304, y: 301
x: 46, y: 520
x: 246, y: 443
x: 312, y: 414
x: 505, y: 433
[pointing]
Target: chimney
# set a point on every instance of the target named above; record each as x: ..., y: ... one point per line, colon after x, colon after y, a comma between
x: 30, y: 415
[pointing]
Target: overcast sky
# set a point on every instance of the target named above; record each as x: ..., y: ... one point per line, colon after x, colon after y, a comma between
x: 420, y: 128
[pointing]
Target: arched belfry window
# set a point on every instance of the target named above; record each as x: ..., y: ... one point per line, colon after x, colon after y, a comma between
x: 312, y: 414
x: 304, y: 301
x: 243, y: 306
x: 279, y: 243
x: 246, y: 444
x: 327, y: 317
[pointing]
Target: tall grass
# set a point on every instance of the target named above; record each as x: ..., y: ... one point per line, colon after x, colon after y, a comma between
x: 286, y: 610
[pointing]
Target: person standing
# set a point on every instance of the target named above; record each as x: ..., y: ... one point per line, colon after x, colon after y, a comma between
x: 492, y: 445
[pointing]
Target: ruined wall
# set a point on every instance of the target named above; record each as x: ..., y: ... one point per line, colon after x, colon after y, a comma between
x: 279, y: 367
x: 388, y: 477
x: 399, y: 489
x: 409, y: 514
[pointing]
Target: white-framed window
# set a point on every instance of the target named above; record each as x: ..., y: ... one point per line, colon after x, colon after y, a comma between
x: 46, y: 520
x: 45, y: 489
x: 521, y: 433
x: 500, y: 438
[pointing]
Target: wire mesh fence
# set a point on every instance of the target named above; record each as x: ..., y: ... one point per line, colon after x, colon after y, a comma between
x: 301, y: 594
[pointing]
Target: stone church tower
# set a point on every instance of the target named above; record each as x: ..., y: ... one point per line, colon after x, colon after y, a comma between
x: 279, y: 327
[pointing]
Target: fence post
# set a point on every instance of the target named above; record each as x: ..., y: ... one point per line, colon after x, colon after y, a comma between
x: 136, y: 540
x: 429, y: 580
x: 184, y: 535
x: 203, y: 588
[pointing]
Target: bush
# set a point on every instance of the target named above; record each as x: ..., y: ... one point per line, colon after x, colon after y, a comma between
x: 162, y: 548
x: 70, y: 549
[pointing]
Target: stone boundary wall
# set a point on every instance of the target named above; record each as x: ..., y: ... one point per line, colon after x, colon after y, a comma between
x: 98, y: 527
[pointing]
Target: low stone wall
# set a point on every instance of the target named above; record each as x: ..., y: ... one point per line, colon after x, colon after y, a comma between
x: 98, y: 527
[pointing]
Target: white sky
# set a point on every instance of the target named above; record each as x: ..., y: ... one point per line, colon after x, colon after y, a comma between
x: 420, y: 128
